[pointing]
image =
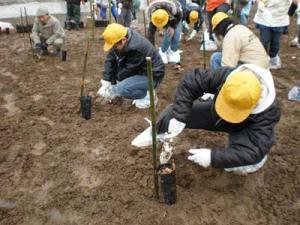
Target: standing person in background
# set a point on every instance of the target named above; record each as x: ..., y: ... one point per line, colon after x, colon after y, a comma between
x: 295, y: 9
x: 243, y: 10
x: 73, y: 13
x: 271, y: 19
x: 125, y: 15
x: 103, y: 5
x: 167, y: 15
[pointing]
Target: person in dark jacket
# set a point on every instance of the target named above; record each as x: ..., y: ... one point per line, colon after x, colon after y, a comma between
x: 167, y: 15
x: 294, y: 8
x: 244, y: 106
x: 193, y: 15
x: 125, y: 69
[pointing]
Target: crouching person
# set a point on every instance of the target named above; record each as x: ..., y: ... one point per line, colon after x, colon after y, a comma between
x: 245, y: 107
x: 47, y: 31
x: 125, y: 70
x: 239, y: 44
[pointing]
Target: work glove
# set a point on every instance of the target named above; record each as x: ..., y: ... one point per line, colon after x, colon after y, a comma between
x: 192, y: 35
x: 201, y: 156
x: 175, y: 128
x: 106, y: 90
x: 40, y: 49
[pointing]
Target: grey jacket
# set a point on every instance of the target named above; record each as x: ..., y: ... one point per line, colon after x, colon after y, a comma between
x: 49, y: 32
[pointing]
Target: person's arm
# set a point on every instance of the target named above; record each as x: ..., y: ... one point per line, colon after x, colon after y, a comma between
x: 134, y: 63
x: 192, y: 86
x: 250, y: 145
x: 200, y: 21
x: 175, y: 19
x: 35, y: 32
x: 151, y: 33
x: 293, y: 8
x: 110, y: 67
x: 58, y: 32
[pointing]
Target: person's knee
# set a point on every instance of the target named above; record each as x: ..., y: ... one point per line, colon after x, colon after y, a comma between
x: 58, y: 43
x: 215, y: 60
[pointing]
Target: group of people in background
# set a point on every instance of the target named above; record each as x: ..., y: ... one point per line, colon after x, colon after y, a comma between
x: 244, y: 99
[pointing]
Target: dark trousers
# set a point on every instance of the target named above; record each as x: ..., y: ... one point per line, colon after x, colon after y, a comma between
x: 222, y: 8
x: 125, y: 17
x: 203, y: 116
x: 73, y: 12
x: 270, y: 38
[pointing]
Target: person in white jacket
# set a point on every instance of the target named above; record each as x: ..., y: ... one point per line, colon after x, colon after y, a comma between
x: 271, y: 19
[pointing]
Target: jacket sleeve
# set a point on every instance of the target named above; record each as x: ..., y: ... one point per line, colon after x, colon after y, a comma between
x: 110, y: 67
x: 292, y: 9
x: 35, y: 33
x: 132, y: 65
x: 200, y: 21
x: 58, y: 32
x: 249, y: 145
x: 175, y: 19
x: 151, y: 33
x: 193, y: 86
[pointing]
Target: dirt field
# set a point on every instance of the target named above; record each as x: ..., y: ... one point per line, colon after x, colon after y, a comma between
x: 57, y: 168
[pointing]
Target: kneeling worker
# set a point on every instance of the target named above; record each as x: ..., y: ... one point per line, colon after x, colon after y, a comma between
x: 245, y: 107
x: 47, y: 31
x: 125, y: 69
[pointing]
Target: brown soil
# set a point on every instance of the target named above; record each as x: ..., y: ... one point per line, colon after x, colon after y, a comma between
x: 57, y: 168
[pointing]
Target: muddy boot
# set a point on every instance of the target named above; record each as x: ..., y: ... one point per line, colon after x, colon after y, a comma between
x: 76, y: 26
x: 68, y: 25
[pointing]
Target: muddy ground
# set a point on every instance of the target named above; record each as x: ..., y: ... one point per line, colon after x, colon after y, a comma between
x: 57, y: 168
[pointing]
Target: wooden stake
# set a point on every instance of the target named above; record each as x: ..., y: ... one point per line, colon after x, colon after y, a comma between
x: 204, y: 51
x: 109, y: 11
x: 89, y: 21
x: 92, y: 12
x: 30, y: 41
x: 144, y: 15
x: 153, y: 123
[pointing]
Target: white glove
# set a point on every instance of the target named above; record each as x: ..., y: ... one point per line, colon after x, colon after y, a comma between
x: 192, y: 35
x: 175, y: 128
x: 201, y: 156
x: 105, y: 90
x: 120, y: 5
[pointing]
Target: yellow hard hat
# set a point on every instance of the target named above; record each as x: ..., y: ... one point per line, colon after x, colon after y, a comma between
x: 194, y: 16
x: 218, y: 18
x: 238, y: 96
x: 112, y: 34
x: 160, y: 18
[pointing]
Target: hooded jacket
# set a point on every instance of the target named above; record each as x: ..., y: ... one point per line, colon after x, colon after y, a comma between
x: 251, y: 139
x: 132, y: 60
x: 174, y: 9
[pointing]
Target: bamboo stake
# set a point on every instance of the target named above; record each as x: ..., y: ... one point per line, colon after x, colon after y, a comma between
x: 27, y: 23
x: 144, y: 15
x: 204, y: 51
x: 22, y: 25
x: 93, y: 18
x: 109, y: 11
x: 153, y: 123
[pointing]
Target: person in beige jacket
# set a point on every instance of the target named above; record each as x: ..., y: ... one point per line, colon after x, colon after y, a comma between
x: 47, y: 31
x: 239, y: 45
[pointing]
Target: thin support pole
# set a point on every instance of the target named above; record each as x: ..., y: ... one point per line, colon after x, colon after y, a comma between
x: 30, y: 41
x: 153, y: 123
x: 204, y: 51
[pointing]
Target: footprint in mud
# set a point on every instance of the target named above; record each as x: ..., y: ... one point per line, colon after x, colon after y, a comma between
x: 47, y: 120
x: 38, y: 148
x: 86, y: 178
x: 37, y: 97
x: 6, y: 73
x: 10, y: 106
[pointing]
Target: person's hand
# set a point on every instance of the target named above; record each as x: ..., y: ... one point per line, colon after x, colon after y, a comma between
x: 201, y: 156
x: 175, y: 128
x: 105, y: 91
x: 170, y: 31
x: 192, y: 35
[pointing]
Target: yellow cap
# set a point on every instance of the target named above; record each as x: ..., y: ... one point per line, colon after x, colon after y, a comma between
x: 160, y: 18
x: 238, y: 97
x: 218, y: 18
x: 112, y: 34
x: 194, y: 15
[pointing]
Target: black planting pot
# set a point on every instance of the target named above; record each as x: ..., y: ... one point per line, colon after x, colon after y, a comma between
x: 64, y: 55
x: 86, y: 107
x: 7, y: 30
x: 24, y: 28
x: 167, y: 184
